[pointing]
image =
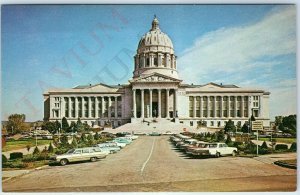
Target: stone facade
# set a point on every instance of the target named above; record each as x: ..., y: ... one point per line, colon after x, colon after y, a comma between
x: 156, y: 92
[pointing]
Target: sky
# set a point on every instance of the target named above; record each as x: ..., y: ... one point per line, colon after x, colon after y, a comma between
x: 62, y: 46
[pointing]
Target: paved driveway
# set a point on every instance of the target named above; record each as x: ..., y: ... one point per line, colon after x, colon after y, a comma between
x: 152, y: 164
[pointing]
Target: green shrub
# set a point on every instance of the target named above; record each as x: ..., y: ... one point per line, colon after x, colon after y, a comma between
x: 293, y: 147
x: 281, y: 147
x: 229, y: 141
x: 250, y: 148
x: 29, y: 158
x: 264, y: 145
x: 61, y: 150
x: 15, y: 155
x: 36, y: 151
x: 50, y: 148
x: 14, y: 164
x: 4, y: 159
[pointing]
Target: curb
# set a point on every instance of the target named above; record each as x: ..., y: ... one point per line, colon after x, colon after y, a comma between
x: 282, y: 164
x: 29, y: 171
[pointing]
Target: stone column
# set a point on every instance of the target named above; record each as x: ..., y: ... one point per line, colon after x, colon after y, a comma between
x: 150, y: 96
x: 249, y: 106
x: 142, y: 104
x: 159, y: 103
x: 228, y: 106
x: 109, y: 107
x: 242, y: 106
x: 221, y: 106
x: 167, y: 103
x: 201, y: 106
x: 260, y: 104
x: 96, y: 107
x: 144, y: 60
x: 102, y: 107
x: 194, y: 106
x: 76, y: 107
x: 175, y: 102
x: 69, y: 103
x: 134, y: 102
x: 89, y: 107
x: 215, y: 110
x: 62, y: 107
x: 116, y: 107
x: 208, y: 106
x: 82, y: 107
x: 151, y: 60
x: 235, y: 106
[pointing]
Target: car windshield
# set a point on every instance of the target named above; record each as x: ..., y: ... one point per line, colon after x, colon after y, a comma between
x: 210, y: 145
x: 71, y: 151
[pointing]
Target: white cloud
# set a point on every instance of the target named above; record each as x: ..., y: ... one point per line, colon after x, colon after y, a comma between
x: 240, y: 48
x: 247, y: 56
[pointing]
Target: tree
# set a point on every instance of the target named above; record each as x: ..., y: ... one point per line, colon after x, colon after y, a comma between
x: 16, y: 124
x: 50, y: 126
x: 229, y: 141
x: 97, y: 136
x: 245, y: 128
x: 57, y: 125
x: 220, y: 136
x: 50, y: 148
x: 72, y: 127
x: 79, y: 126
x: 90, y: 139
x: 36, y: 151
x: 28, y: 148
x: 238, y: 126
x: 64, y: 141
x: 74, y: 143
x: 264, y: 145
x: 229, y: 127
x: 65, y: 124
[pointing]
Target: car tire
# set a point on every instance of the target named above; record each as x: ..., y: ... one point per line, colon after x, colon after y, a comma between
x: 63, y: 162
x: 217, y: 154
x: 234, y: 153
x: 93, y: 159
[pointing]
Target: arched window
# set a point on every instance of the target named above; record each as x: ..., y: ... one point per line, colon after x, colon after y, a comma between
x: 148, y: 62
x: 155, y: 61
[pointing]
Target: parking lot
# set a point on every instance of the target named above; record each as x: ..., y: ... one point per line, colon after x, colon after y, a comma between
x: 151, y: 163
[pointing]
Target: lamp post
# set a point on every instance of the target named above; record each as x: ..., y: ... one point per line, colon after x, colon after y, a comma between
x: 252, y: 118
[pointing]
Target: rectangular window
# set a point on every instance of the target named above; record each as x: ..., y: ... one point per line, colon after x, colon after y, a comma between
x: 191, y: 123
x: 211, y: 113
x: 225, y: 113
x: 212, y: 123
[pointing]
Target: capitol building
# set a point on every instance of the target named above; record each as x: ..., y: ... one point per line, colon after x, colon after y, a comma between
x: 155, y: 93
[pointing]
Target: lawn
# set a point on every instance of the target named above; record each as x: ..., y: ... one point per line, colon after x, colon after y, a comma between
x: 282, y: 140
x: 19, y: 144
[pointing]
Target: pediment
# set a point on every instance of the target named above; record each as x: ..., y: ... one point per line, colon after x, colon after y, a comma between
x: 211, y: 86
x: 156, y: 77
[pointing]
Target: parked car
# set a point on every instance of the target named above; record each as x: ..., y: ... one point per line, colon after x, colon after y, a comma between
x: 187, y: 143
x: 154, y: 134
x: 215, y: 149
x: 133, y: 137
x: 79, y: 154
x: 121, y: 145
x: 120, y: 140
x: 198, y: 146
x: 107, y: 147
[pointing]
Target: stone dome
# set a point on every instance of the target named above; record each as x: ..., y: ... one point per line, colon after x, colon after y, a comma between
x: 155, y: 53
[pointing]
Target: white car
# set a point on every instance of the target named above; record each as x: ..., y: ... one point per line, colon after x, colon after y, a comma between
x: 215, y: 149
x: 133, y: 137
x: 79, y: 154
x: 121, y: 145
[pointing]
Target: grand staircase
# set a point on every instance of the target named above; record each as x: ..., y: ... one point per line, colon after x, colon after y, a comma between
x: 161, y: 125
